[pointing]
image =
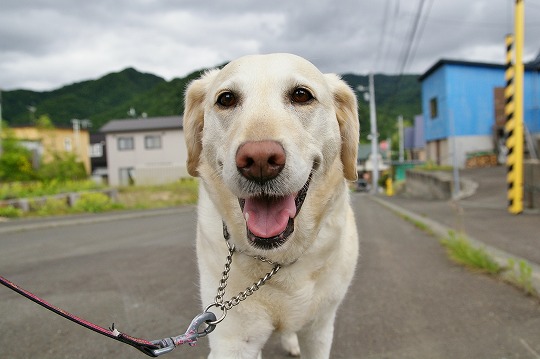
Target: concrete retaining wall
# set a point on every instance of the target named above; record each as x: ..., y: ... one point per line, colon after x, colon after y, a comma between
x: 429, y: 184
x: 437, y: 185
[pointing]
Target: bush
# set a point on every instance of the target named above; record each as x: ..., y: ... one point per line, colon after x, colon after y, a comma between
x: 51, y: 207
x: 63, y: 167
x: 10, y: 212
x: 94, y: 203
x: 16, y: 166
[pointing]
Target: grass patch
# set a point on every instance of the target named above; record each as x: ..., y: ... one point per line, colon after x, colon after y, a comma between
x: 169, y: 195
x: 521, y: 276
x: 95, y: 203
x: 418, y: 224
x: 134, y: 197
x: 10, y: 212
x: 12, y: 190
x: 49, y: 207
x: 461, y: 251
x: 432, y: 166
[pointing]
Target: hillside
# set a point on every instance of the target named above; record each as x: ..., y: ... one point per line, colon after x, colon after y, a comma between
x: 111, y: 97
x: 88, y: 99
x: 394, y: 96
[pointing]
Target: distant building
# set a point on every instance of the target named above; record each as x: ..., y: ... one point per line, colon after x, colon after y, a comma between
x: 414, y: 141
x: 45, y: 142
x: 461, y: 102
x: 145, y: 151
x: 98, y: 157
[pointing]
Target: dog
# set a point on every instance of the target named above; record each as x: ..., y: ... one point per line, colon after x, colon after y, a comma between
x: 274, y: 142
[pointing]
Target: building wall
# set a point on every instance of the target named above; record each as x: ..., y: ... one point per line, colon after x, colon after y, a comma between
x: 471, y: 103
x: 464, y: 145
x: 434, y: 87
x: 167, y: 162
x: 531, y: 101
x: 465, y: 101
x: 466, y: 108
x: 57, y: 140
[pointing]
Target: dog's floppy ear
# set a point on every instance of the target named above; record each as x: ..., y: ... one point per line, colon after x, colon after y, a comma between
x: 194, y: 120
x: 349, y: 127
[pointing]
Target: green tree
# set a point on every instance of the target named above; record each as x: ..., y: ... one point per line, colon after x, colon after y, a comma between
x: 64, y: 166
x: 16, y: 160
x: 44, y: 122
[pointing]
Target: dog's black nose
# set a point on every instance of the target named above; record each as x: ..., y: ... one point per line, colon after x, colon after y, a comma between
x: 260, y: 161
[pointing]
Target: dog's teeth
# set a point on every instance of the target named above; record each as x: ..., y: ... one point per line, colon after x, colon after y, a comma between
x: 246, y: 216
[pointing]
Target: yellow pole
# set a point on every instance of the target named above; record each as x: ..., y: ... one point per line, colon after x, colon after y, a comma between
x: 514, y: 113
x: 389, y: 186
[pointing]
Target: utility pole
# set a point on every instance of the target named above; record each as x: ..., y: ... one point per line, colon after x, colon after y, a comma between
x: 374, y: 136
x: 514, y: 112
x: 401, y: 143
x: 455, y: 165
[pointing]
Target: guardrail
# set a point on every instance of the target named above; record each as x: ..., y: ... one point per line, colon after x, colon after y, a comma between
x: 70, y: 198
x: 531, y: 184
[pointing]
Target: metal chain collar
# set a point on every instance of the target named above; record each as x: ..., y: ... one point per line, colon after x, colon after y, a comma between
x: 234, y: 301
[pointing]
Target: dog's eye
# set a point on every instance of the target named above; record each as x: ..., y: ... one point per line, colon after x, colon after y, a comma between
x: 301, y: 95
x: 226, y: 99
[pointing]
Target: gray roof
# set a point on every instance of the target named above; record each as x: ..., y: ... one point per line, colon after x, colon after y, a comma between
x: 143, y: 124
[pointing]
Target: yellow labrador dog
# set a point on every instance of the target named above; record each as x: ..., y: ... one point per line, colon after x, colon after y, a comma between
x: 274, y: 141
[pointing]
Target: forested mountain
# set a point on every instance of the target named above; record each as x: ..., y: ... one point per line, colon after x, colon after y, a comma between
x: 112, y: 96
x: 394, y: 96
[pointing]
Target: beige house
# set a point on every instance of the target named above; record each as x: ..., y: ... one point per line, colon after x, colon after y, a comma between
x: 47, y: 142
x: 145, y: 151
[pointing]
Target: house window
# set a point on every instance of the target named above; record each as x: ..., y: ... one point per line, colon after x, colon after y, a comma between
x: 433, y: 110
x: 125, y: 143
x: 68, y: 145
x: 152, y: 142
x: 96, y: 150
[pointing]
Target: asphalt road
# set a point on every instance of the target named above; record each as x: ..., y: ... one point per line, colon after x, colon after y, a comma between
x: 138, y: 270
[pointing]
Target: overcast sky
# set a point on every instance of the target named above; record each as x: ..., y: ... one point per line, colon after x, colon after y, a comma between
x: 45, y: 44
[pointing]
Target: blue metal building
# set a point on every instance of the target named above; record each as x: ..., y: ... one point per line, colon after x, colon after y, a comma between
x: 463, y: 108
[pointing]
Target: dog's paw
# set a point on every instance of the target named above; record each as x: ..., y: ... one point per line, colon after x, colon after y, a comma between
x: 289, y: 341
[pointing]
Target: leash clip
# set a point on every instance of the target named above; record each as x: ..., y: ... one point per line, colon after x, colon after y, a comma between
x: 190, y: 337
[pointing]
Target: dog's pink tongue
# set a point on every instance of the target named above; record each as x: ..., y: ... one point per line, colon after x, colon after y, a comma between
x: 268, y: 217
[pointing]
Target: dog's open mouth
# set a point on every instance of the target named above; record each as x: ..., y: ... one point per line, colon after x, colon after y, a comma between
x: 270, y: 220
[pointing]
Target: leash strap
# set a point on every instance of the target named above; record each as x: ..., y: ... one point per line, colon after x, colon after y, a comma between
x: 151, y: 348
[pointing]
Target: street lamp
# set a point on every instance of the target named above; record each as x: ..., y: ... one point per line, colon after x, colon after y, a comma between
x: 373, y: 135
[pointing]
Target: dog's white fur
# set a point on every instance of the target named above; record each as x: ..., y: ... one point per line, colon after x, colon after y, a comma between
x: 319, y: 258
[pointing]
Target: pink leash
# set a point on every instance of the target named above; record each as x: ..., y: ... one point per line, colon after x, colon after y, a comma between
x: 152, y: 348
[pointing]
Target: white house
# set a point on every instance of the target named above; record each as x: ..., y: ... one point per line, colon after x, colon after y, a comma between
x: 145, y: 151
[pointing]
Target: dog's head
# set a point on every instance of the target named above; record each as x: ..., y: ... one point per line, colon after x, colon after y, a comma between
x: 267, y: 133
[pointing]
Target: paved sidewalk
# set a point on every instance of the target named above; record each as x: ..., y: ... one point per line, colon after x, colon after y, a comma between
x: 482, y: 217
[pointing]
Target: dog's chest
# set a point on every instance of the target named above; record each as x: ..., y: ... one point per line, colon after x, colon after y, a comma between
x: 296, y: 298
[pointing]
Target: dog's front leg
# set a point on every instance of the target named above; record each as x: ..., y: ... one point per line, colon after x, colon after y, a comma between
x: 316, y: 338
x: 239, y: 337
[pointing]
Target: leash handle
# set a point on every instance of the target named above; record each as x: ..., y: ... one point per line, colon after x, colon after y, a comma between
x: 151, y: 348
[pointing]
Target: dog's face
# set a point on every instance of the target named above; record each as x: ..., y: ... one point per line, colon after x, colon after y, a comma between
x: 269, y: 135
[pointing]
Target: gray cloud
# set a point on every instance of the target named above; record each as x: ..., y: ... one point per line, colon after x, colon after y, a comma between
x: 48, y: 43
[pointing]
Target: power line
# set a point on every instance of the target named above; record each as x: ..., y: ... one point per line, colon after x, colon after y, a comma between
x: 395, y: 17
x: 421, y: 30
x: 406, y: 49
x: 382, y: 35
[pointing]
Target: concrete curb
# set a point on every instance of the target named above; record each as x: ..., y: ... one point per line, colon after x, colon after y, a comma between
x: 441, y: 231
